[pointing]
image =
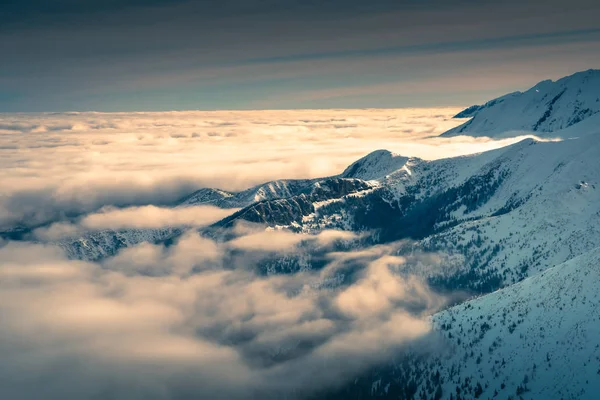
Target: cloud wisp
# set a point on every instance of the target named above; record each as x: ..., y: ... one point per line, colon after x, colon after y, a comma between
x: 143, y: 217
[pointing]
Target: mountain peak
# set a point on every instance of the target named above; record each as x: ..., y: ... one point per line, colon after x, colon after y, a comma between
x: 547, y: 107
x: 375, y: 165
x: 587, y: 72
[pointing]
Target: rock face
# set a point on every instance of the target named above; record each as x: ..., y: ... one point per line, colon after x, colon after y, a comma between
x: 545, y: 108
x: 268, y: 191
x: 290, y: 211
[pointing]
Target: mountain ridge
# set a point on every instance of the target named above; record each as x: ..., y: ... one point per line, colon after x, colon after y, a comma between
x: 518, y: 226
x: 547, y: 107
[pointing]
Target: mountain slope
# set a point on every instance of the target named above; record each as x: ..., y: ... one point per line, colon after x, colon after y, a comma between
x: 273, y: 203
x: 376, y: 165
x: 98, y: 245
x: 545, y: 108
x: 519, y: 226
x: 537, y: 339
x: 509, y: 213
x: 267, y: 191
x: 545, y: 330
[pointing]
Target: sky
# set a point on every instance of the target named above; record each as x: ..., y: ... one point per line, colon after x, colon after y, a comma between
x: 154, y: 55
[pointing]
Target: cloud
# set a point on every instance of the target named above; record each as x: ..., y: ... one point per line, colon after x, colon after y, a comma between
x: 145, y: 217
x: 58, y: 231
x: 375, y: 292
x: 267, y: 241
x: 139, y: 159
x: 177, y: 322
x: 148, y: 217
x: 191, y: 253
x: 256, y: 238
x: 37, y: 197
x: 17, y: 127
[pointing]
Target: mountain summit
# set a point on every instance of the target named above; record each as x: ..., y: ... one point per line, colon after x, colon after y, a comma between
x: 544, y: 109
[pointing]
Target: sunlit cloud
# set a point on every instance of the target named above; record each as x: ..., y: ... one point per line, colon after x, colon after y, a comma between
x: 144, y: 217
x: 67, y: 164
x: 214, y: 331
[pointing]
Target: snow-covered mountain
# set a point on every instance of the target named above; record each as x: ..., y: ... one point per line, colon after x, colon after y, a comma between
x: 537, y: 339
x: 545, y: 108
x: 518, y: 226
x: 540, y: 336
x: 97, y: 245
x: 266, y: 191
x: 279, y: 197
x: 509, y: 213
x: 377, y: 165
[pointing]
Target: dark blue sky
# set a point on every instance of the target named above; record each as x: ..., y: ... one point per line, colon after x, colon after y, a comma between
x: 123, y: 55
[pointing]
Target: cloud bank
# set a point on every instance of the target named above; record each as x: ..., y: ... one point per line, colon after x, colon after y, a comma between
x: 64, y: 165
x: 177, y: 322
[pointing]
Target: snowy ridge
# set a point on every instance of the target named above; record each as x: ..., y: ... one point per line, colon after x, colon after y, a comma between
x: 98, y: 245
x: 267, y: 191
x: 375, y: 166
x: 273, y: 203
x: 207, y: 196
x: 537, y: 339
x: 509, y: 213
x: 545, y: 108
x: 540, y: 337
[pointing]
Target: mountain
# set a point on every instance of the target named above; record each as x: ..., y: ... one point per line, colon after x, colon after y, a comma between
x: 271, y: 203
x: 377, y: 165
x: 545, y: 330
x: 517, y: 227
x: 545, y: 108
x: 509, y: 213
x: 266, y: 191
x: 290, y: 211
x: 504, y: 215
x: 537, y: 339
x: 97, y: 245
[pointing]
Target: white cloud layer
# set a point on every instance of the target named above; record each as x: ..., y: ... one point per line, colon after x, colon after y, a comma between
x: 175, y: 322
x: 63, y: 164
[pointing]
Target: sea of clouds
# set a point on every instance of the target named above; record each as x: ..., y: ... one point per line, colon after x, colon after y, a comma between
x: 198, y: 318
x: 179, y: 322
x: 61, y: 164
